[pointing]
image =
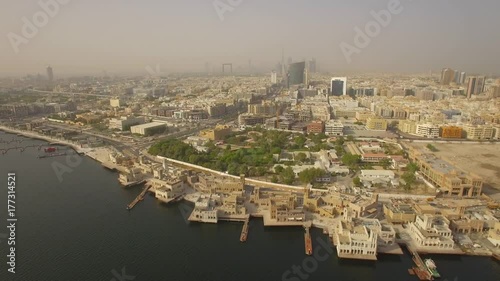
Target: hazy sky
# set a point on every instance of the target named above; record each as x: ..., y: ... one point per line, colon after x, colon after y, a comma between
x: 123, y: 36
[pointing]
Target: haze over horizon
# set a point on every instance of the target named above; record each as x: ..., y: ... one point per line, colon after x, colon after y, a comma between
x: 126, y: 36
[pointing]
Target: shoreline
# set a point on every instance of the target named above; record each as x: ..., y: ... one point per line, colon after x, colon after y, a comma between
x: 94, y: 156
x: 36, y: 136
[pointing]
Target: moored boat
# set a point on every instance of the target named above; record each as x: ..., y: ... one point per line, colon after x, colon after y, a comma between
x: 431, y: 267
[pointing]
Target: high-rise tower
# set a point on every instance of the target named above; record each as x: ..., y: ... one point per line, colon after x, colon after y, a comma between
x: 50, y: 74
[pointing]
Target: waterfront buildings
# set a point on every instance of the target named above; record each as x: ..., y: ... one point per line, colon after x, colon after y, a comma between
x: 494, y: 235
x: 169, y: 189
x: 399, y: 212
x: 430, y: 231
x: 353, y: 239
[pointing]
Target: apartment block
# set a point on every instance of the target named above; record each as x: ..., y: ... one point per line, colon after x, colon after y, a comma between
x: 376, y: 124
x: 408, y: 126
x: 427, y: 131
x: 334, y: 128
x: 364, y: 115
x: 316, y: 127
x: 451, y: 132
x: 474, y: 132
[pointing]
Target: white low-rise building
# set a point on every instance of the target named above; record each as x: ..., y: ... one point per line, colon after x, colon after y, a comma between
x: 377, y: 174
x: 334, y: 128
x: 170, y: 190
x: 356, y: 241
x: 431, y: 232
x: 428, y: 131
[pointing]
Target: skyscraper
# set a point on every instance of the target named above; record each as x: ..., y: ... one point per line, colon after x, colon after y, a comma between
x: 312, y: 66
x: 296, y: 73
x: 339, y: 86
x: 447, y: 76
x: 463, y: 75
x: 475, y: 85
x: 50, y: 74
x: 274, y: 77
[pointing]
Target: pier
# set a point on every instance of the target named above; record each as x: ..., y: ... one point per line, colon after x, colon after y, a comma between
x: 420, y: 270
x: 244, y: 230
x: 307, y: 240
x: 139, y: 198
x: 52, y: 155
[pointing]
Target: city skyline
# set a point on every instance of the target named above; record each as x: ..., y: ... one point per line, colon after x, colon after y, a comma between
x: 125, y: 38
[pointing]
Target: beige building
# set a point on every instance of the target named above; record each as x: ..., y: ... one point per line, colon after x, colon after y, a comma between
x: 479, y: 132
x: 494, y: 235
x: 377, y: 124
x: 116, y: 102
x: 364, y: 115
x: 399, y: 213
x: 408, y: 126
x: 218, y: 133
x: 431, y: 232
x: 354, y: 239
x: 445, y: 176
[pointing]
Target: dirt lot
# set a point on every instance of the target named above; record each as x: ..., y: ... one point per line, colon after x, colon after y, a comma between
x: 483, y: 160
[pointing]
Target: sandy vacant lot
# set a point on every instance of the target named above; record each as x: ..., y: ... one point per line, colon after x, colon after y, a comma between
x: 481, y: 159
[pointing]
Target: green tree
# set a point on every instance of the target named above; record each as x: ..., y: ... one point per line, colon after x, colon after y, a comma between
x: 386, y: 163
x: 432, y: 147
x: 340, y: 141
x: 412, y: 168
x: 310, y: 175
x: 279, y: 169
x: 274, y: 179
x: 301, y: 157
x: 288, y: 175
x: 356, y: 181
x: 350, y: 138
x: 351, y: 160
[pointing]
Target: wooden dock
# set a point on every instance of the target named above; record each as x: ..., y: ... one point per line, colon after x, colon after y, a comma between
x: 244, y: 230
x: 308, y: 241
x: 420, y: 270
x: 138, y: 199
